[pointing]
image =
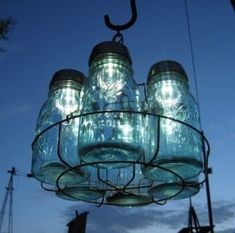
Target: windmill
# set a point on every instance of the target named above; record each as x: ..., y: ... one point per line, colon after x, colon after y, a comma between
x: 7, y: 206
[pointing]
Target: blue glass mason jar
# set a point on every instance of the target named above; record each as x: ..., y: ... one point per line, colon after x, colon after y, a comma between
x: 176, y: 148
x: 55, y: 148
x: 175, y: 189
x: 118, y: 186
x: 132, y: 186
x: 110, y: 139
x: 91, y: 190
x: 81, y: 192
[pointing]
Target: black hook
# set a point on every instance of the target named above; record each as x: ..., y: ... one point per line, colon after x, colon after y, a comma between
x: 125, y: 26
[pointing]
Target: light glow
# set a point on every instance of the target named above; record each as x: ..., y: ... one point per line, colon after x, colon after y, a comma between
x: 168, y: 94
x: 127, y: 133
x: 169, y: 100
x: 67, y: 103
x: 111, y: 81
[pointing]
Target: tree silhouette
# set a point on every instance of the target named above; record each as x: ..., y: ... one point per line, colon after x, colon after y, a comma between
x: 6, y: 25
x: 233, y: 3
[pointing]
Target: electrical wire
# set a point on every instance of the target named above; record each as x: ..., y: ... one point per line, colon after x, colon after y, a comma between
x: 192, y: 56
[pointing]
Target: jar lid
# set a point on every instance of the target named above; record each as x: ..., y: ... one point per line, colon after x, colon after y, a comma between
x: 167, y: 66
x: 110, y: 47
x: 67, y: 75
x: 128, y: 199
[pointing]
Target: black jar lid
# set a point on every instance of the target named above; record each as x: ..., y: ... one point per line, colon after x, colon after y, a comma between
x: 167, y: 66
x: 110, y: 47
x: 66, y: 75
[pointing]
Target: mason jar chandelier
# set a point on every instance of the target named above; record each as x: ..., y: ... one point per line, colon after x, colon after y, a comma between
x: 97, y: 140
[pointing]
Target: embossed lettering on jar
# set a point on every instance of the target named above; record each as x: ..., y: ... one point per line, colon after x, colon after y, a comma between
x: 110, y: 139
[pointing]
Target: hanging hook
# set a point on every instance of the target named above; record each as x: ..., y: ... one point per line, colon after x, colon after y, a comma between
x: 125, y: 26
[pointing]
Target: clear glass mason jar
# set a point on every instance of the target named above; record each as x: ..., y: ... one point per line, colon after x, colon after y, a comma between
x: 180, y: 146
x: 110, y: 139
x: 55, y: 148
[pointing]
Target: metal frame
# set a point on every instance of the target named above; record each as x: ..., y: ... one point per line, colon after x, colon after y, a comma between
x: 126, y: 189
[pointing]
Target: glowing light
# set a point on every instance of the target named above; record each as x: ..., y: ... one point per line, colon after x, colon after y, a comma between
x: 67, y: 103
x: 169, y: 96
x: 169, y: 99
x: 127, y: 131
x: 111, y: 81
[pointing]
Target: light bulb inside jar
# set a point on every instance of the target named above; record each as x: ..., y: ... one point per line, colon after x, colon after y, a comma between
x: 55, y: 150
x: 110, y: 139
x: 111, y: 81
x: 180, y: 145
x: 67, y: 103
x: 170, y: 99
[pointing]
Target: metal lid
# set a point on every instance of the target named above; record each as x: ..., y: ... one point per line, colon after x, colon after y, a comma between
x: 128, y: 199
x: 66, y: 75
x: 167, y: 66
x: 110, y: 47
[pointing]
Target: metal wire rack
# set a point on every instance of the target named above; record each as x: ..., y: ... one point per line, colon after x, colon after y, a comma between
x: 129, y: 193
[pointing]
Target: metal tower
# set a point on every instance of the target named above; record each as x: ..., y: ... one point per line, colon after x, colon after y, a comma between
x: 8, y: 205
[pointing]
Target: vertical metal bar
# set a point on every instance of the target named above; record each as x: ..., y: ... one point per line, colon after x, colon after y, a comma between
x: 207, y: 184
x: 158, y: 142
x: 210, y: 215
x: 59, y: 149
x: 190, y: 224
x: 132, y: 178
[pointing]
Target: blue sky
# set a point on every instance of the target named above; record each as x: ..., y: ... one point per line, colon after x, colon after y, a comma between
x: 52, y: 35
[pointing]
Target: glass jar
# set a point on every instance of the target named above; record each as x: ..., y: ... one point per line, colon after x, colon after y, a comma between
x: 131, y: 187
x: 55, y: 148
x: 109, y: 132
x: 80, y: 192
x: 175, y: 189
x: 177, y: 147
x: 92, y: 190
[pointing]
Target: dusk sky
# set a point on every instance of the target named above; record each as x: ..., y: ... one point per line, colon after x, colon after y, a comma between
x: 52, y: 35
